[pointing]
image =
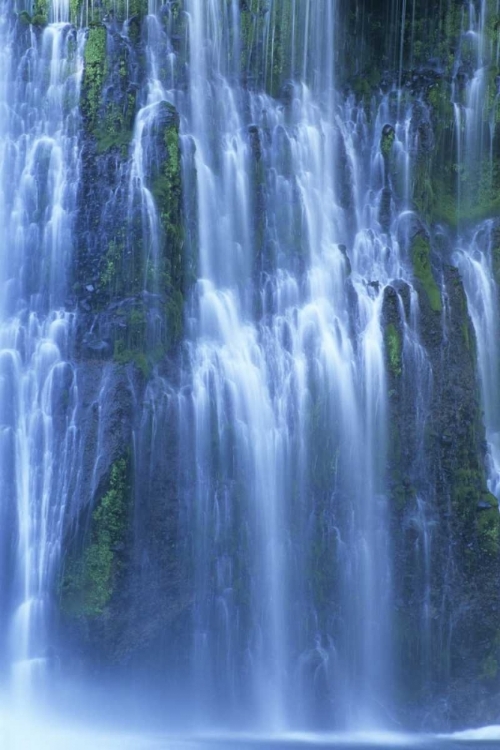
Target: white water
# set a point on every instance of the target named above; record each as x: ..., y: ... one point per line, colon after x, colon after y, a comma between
x: 283, y: 409
x: 474, y: 253
x: 38, y: 178
x: 287, y: 353
x: 51, y: 733
x: 475, y: 263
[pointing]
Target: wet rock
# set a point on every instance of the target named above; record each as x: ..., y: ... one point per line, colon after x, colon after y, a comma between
x: 343, y: 250
x: 255, y: 145
x: 93, y: 346
x: 385, y: 209
x: 287, y: 93
x: 387, y: 139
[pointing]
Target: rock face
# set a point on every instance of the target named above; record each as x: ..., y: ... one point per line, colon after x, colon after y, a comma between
x: 128, y: 584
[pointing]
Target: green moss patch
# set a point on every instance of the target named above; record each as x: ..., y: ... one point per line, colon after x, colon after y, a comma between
x: 88, y: 581
x: 420, y: 253
x: 94, y: 74
x: 488, y: 530
x: 387, y: 140
x: 393, y: 349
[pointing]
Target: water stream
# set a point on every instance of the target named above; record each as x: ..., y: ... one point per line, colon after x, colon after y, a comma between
x: 291, y: 367
x: 39, y: 97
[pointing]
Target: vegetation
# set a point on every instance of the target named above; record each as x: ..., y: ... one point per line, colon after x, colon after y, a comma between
x: 421, y: 257
x: 167, y: 192
x: 387, y: 140
x: 40, y: 15
x: 393, y: 349
x: 88, y: 580
x: 94, y: 75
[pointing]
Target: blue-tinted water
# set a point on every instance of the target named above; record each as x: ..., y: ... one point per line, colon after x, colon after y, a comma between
x: 27, y: 734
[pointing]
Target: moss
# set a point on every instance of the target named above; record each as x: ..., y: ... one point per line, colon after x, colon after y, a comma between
x: 439, y: 97
x: 488, y: 531
x: 468, y: 491
x: 175, y: 316
x: 278, y: 45
x: 387, y: 140
x: 88, y: 582
x: 113, y: 133
x: 422, y: 269
x: 167, y: 188
x: 109, y: 119
x: 24, y: 17
x: 95, y: 13
x: 466, y: 192
x: 40, y: 13
x: 468, y: 484
x: 74, y: 10
x: 393, y: 349
x: 131, y: 344
x: 39, y: 20
x: 124, y: 356
x: 94, y: 74
x: 110, y: 266
x: 167, y: 192
x: 116, y: 124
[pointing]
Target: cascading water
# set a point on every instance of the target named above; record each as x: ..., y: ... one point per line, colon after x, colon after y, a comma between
x: 40, y: 73
x: 476, y: 248
x: 268, y: 475
x: 288, y: 352
x: 475, y: 263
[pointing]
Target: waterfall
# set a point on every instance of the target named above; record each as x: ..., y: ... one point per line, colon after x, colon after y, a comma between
x: 248, y: 323
x: 40, y: 73
x: 476, y: 249
x: 475, y: 262
x: 288, y: 411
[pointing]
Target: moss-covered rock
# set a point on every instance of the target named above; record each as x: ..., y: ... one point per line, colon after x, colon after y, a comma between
x: 167, y: 192
x: 110, y: 11
x: 393, y: 349
x: 387, y: 140
x: 422, y: 269
x: 24, y: 18
x: 94, y: 75
x: 488, y: 530
x: 108, y: 100
x: 89, y: 577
